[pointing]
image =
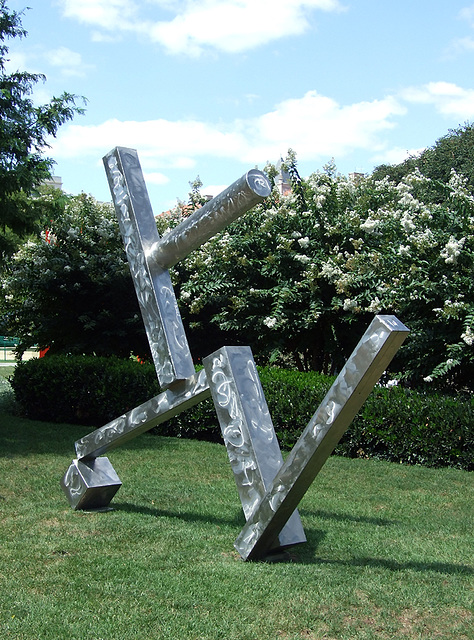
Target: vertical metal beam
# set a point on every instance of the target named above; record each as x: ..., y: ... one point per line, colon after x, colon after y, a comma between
x: 349, y: 391
x: 163, y: 324
x: 248, y: 431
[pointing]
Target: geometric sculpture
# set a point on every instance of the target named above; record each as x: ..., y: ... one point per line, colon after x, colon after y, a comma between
x: 90, y: 484
x: 335, y: 413
x: 269, y: 489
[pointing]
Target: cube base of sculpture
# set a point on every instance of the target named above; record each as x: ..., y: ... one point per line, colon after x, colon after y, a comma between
x: 90, y: 484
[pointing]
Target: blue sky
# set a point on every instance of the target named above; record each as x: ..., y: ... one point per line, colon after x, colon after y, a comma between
x: 216, y: 87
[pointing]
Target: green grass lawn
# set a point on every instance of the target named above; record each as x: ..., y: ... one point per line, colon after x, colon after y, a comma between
x: 389, y: 551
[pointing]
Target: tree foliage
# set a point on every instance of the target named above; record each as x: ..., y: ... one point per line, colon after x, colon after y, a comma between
x: 300, y: 277
x: 24, y: 132
x: 455, y: 151
x: 71, y: 289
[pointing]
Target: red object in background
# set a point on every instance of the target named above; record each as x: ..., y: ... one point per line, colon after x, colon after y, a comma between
x: 43, y: 352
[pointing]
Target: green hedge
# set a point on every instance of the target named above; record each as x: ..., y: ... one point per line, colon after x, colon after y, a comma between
x: 394, y: 424
x: 84, y: 390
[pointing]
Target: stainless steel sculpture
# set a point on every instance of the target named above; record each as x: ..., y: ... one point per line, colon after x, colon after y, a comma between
x: 248, y: 432
x: 344, y: 399
x: 269, y: 489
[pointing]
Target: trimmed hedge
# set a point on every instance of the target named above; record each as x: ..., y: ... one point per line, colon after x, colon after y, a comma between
x: 86, y: 390
x: 394, y: 424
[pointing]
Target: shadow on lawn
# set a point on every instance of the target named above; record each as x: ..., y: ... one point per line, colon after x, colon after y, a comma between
x: 20, y: 436
x: 393, y: 565
x: 237, y: 521
x: 306, y: 553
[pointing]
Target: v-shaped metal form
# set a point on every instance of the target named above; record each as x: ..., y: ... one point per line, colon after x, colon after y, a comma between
x: 269, y: 489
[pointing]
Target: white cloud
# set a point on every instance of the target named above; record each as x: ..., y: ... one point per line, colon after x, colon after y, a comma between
x: 316, y: 126
x: 20, y: 60
x: 162, y: 143
x: 108, y: 14
x: 448, y: 98
x: 153, y: 177
x: 467, y: 14
x: 396, y: 155
x: 213, y: 189
x: 461, y: 45
x: 226, y: 25
x: 69, y: 62
x: 235, y: 25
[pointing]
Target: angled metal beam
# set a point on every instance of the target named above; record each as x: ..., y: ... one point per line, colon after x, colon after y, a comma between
x: 163, y: 324
x: 144, y: 417
x: 248, y: 432
x: 249, y: 190
x: 344, y: 399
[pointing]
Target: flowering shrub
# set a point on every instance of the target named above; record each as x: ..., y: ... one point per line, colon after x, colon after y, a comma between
x: 70, y: 289
x: 300, y: 277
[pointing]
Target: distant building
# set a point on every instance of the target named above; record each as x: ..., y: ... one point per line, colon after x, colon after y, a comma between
x: 356, y: 177
x: 282, y: 179
x: 55, y: 181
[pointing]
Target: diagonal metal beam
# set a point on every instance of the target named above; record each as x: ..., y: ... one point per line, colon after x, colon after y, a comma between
x: 344, y: 399
x: 144, y: 417
x: 163, y: 324
x: 243, y: 194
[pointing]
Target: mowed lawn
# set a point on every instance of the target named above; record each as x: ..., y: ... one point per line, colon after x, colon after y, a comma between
x: 389, y: 551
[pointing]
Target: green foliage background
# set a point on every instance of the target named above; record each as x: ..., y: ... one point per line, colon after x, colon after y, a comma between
x: 395, y: 424
x: 298, y: 278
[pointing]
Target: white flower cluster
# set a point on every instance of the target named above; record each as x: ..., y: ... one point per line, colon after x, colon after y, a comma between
x: 349, y: 305
x: 452, y: 250
x: 304, y: 242
x: 370, y: 225
x: 270, y: 322
x: 468, y: 336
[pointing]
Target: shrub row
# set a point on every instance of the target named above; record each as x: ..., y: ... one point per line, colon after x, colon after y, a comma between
x: 84, y: 390
x: 394, y: 424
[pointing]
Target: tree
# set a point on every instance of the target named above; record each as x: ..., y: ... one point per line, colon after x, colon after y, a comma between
x: 71, y: 290
x: 454, y: 151
x: 24, y: 130
x: 300, y: 277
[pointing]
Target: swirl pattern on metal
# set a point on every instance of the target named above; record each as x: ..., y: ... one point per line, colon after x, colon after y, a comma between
x: 242, y: 195
x: 247, y: 430
x: 144, y: 417
x: 349, y: 391
x: 163, y: 324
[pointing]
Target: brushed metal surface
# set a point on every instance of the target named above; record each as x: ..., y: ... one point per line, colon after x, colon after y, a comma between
x: 352, y: 386
x: 161, y: 317
x: 248, y: 432
x: 243, y: 194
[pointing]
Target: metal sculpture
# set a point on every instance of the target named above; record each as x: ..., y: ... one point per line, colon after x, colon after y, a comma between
x: 269, y: 489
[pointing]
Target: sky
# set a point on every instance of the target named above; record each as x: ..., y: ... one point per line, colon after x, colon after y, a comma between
x: 213, y: 88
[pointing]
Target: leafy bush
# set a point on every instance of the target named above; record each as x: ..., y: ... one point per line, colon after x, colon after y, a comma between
x: 395, y: 424
x: 84, y: 390
x: 401, y: 425
x: 301, y: 276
